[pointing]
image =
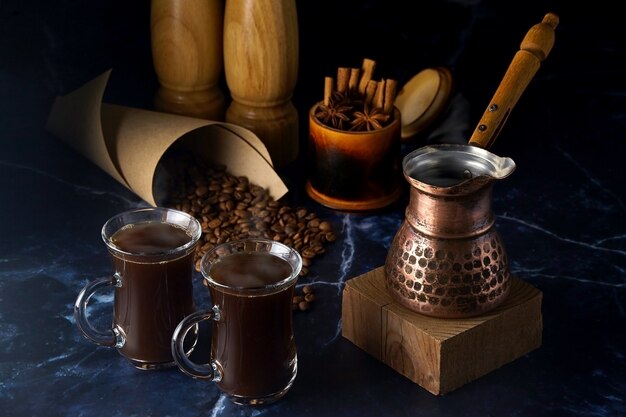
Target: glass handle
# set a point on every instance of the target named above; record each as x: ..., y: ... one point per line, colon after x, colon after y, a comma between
x: 208, y: 371
x: 113, y: 337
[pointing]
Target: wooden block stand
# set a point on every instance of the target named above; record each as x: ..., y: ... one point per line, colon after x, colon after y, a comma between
x: 440, y: 355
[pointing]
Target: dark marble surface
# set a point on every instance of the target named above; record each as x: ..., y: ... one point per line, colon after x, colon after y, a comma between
x: 562, y: 213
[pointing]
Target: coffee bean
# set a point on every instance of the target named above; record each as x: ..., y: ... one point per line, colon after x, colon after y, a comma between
x: 303, y: 301
x: 314, y: 223
x: 325, y: 226
x: 301, y: 213
x: 202, y: 190
x: 214, y: 223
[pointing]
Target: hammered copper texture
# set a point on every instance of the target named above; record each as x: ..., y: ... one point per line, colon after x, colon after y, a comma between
x: 447, y: 259
x: 447, y: 277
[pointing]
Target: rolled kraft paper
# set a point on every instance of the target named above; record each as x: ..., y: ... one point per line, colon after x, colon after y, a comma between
x: 128, y: 143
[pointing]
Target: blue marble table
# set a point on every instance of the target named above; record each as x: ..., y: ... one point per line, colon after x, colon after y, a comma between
x: 562, y: 214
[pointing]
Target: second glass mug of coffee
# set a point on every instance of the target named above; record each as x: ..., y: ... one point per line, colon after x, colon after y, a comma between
x: 153, y: 253
x: 253, y: 357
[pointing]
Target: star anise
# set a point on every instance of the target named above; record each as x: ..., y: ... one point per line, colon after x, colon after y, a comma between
x: 336, y: 112
x: 369, y: 119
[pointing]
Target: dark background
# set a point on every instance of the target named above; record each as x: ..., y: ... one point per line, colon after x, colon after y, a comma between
x: 52, y: 48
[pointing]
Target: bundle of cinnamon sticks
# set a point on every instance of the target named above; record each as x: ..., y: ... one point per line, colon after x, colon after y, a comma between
x: 355, y: 96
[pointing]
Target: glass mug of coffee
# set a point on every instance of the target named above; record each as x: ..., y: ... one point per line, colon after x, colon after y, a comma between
x: 253, y: 356
x: 153, y: 257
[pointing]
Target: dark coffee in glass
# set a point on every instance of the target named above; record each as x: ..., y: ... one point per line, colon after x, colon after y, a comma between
x: 153, y: 257
x: 253, y: 350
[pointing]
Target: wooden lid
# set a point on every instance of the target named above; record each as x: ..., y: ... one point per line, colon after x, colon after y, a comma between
x: 422, y: 99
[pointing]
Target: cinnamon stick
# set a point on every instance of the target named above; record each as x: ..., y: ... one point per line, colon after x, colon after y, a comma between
x: 328, y: 89
x: 343, y: 76
x: 353, y: 82
x: 391, y: 87
x: 379, y: 95
x: 370, y: 91
x: 367, y: 70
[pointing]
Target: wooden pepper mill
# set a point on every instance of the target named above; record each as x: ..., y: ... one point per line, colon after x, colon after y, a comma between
x: 261, y: 66
x: 186, y: 38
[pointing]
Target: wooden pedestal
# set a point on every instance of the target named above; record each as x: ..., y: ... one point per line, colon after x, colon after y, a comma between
x: 440, y: 355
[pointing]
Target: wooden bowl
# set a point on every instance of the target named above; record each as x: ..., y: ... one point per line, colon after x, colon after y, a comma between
x: 354, y: 170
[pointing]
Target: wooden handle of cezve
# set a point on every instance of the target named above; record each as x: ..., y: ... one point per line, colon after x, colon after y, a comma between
x: 534, y: 48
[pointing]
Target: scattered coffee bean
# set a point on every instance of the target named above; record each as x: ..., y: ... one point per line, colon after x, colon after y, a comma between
x: 302, y: 301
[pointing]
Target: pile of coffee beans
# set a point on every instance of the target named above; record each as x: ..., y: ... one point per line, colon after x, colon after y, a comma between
x: 233, y: 207
x: 302, y: 301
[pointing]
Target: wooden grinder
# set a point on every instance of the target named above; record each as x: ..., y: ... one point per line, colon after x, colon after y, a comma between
x: 186, y: 38
x: 261, y: 67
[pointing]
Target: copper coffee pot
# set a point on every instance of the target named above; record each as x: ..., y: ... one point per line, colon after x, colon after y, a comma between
x: 447, y: 259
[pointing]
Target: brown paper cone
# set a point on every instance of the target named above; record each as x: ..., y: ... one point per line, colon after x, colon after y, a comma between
x: 128, y: 143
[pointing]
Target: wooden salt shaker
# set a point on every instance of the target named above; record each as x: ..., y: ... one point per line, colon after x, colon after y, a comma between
x: 261, y: 66
x: 186, y: 38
